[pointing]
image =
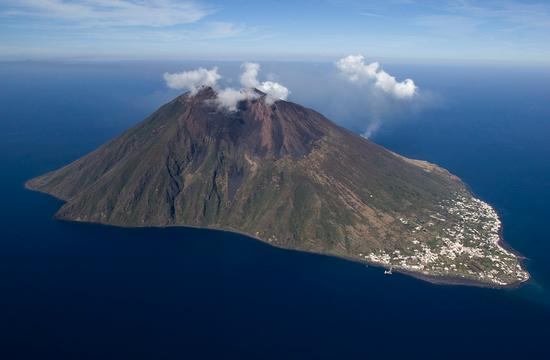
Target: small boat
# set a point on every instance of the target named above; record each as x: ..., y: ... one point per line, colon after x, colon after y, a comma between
x: 388, y: 272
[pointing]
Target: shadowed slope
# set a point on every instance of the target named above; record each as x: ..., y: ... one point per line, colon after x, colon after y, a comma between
x: 284, y: 174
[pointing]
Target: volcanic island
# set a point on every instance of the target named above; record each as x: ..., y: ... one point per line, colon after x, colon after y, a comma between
x: 288, y: 176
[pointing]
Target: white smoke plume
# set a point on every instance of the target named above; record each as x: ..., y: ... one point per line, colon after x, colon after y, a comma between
x: 249, y: 76
x: 228, y: 98
x: 357, y: 71
x: 371, y: 129
x: 274, y: 90
x: 249, y: 80
x: 192, y: 80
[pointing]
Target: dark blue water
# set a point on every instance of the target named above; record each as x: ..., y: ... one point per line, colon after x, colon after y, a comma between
x: 85, y: 291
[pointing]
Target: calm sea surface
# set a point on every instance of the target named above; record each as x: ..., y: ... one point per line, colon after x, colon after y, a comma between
x: 78, y: 291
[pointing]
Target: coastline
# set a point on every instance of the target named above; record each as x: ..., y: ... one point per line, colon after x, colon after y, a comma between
x: 433, y: 279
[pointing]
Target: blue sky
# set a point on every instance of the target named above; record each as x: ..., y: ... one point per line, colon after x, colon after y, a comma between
x: 455, y: 30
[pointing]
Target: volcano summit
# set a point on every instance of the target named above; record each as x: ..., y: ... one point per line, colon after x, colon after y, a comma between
x: 288, y: 176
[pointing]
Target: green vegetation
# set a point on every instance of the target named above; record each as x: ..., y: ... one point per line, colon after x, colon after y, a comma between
x: 286, y: 175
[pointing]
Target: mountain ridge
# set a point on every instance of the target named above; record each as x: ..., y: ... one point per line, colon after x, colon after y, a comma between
x: 287, y: 175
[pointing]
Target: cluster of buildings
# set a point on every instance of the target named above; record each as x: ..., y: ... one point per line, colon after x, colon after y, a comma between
x: 463, y: 242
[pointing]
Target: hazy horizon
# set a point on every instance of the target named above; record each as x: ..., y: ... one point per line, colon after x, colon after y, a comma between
x: 469, y: 31
x: 310, y: 179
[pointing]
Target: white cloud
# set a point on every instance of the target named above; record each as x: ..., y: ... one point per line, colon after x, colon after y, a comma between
x: 249, y: 79
x: 154, y: 13
x: 249, y: 76
x: 274, y: 90
x: 371, y: 129
x: 356, y: 70
x: 228, y: 98
x: 221, y: 30
x: 193, y: 79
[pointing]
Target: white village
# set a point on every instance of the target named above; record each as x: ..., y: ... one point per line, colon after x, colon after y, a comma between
x: 468, y: 249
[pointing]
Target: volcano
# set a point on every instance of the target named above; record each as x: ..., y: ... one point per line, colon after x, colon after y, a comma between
x: 286, y: 175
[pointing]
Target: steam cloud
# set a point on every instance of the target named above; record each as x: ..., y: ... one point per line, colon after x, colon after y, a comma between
x: 228, y: 98
x: 192, y: 80
x: 357, y: 71
x: 275, y: 91
x: 249, y: 79
x: 371, y: 129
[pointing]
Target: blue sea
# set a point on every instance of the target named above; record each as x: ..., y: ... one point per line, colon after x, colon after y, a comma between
x: 83, y: 291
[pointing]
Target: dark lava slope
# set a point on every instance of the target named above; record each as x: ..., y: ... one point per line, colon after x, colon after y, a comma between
x: 274, y: 170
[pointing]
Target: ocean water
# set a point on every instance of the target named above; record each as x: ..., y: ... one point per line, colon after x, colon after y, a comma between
x: 94, y: 292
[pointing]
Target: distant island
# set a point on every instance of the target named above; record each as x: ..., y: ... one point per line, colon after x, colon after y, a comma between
x: 288, y: 176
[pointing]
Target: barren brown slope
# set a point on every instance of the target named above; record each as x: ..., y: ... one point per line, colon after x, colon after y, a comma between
x: 287, y: 175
